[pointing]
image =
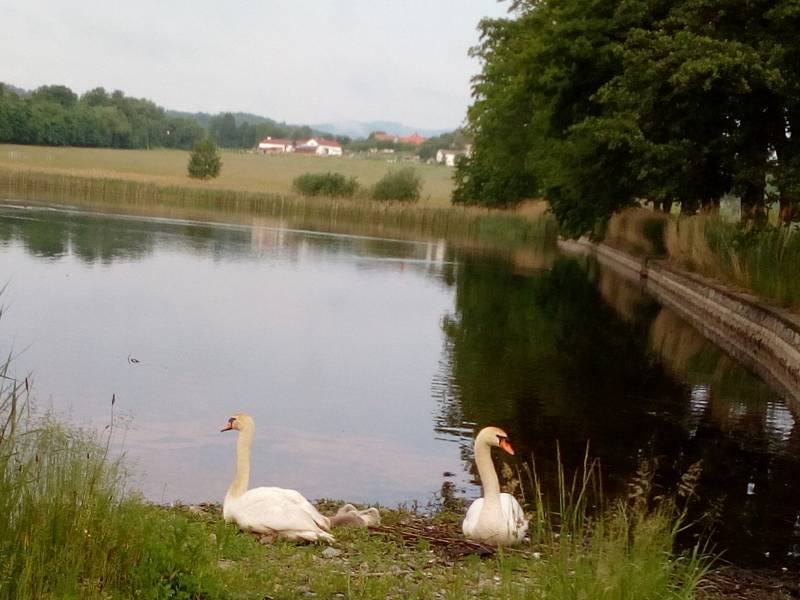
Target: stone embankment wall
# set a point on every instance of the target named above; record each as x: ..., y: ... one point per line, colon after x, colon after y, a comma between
x: 761, y: 336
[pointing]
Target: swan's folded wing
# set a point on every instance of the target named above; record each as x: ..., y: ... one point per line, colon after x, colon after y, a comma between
x: 514, y: 515
x: 300, y: 500
x: 277, y: 509
x: 471, y: 520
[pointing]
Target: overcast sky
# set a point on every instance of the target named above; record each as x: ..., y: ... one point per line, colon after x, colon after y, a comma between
x: 302, y: 61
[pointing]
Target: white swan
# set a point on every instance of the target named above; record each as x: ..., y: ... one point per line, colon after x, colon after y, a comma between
x: 495, y: 519
x: 269, y: 510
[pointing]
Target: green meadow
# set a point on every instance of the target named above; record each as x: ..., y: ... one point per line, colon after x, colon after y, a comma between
x: 241, y: 171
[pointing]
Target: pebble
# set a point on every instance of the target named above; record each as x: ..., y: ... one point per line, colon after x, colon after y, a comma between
x: 331, y: 552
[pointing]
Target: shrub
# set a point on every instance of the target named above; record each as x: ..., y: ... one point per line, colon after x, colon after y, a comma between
x: 403, y: 184
x: 326, y: 184
x: 204, y: 162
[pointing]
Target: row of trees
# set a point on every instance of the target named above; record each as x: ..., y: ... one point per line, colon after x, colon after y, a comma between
x: 595, y: 104
x: 54, y: 115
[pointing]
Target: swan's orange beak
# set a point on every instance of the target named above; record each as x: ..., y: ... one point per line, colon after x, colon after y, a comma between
x: 229, y: 426
x: 505, y: 445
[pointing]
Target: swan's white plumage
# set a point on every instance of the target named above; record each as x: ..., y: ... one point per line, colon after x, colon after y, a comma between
x: 510, y: 527
x: 269, y: 510
x: 497, y: 518
x: 277, y: 510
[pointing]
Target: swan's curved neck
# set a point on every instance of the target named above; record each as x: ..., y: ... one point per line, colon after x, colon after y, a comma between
x: 489, y: 481
x: 241, y: 478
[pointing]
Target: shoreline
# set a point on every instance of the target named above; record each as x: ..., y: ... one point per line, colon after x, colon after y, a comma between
x: 763, y: 337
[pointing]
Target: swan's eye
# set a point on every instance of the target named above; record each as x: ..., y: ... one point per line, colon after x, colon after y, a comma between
x: 503, y: 442
x: 232, y: 420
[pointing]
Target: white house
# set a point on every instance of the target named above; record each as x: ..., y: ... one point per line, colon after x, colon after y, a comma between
x: 275, y: 146
x: 448, y: 157
x: 319, y: 146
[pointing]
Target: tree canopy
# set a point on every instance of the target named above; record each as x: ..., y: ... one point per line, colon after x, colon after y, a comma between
x: 595, y: 105
x: 204, y: 161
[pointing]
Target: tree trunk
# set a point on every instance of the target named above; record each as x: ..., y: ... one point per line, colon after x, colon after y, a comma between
x: 753, y: 213
x: 787, y: 210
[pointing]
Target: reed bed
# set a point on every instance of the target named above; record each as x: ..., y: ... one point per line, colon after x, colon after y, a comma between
x: 762, y: 261
x: 637, y: 230
x: 765, y: 262
x: 70, y: 529
x: 622, y: 549
x: 396, y: 219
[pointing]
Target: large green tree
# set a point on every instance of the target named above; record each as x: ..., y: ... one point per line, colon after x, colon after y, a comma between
x: 596, y: 105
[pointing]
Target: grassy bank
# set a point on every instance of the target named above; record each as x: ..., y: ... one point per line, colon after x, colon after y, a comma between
x: 72, y: 529
x: 365, y: 217
x: 764, y: 262
x: 241, y: 171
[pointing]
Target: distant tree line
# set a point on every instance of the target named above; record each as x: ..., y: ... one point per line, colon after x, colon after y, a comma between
x: 54, y: 115
x: 454, y: 140
x: 596, y: 105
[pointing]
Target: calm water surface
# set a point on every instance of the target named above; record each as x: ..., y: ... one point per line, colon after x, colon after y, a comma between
x: 368, y: 363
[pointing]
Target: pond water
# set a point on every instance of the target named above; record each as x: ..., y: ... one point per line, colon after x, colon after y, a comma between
x: 368, y: 363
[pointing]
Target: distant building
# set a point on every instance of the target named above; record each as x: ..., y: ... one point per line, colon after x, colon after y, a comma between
x: 448, y: 157
x: 318, y: 146
x: 275, y: 146
x: 415, y: 139
x: 382, y: 136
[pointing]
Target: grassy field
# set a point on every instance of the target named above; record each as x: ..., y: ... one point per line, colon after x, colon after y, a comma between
x: 241, y: 171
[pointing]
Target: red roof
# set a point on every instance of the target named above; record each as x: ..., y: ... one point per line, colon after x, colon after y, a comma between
x: 383, y: 137
x: 415, y: 138
x: 320, y: 141
x: 326, y: 142
x: 276, y: 141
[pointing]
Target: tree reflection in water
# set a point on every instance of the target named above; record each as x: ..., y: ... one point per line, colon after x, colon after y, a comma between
x: 574, y: 354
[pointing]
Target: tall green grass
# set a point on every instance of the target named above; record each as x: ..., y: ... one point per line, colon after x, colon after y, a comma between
x: 625, y: 549
x: 765, y: 261
x: 69, y: 527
